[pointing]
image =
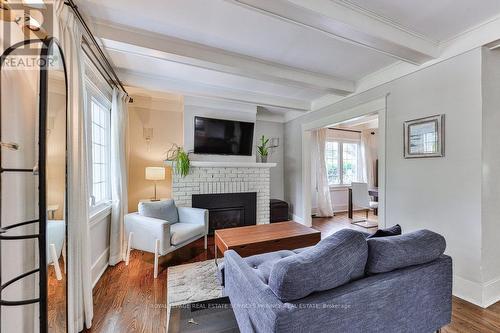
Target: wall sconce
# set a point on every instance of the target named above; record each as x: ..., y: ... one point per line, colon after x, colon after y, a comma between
x: 147, y: 134
x: 274, y: 142
x: 9, y: 145
x: 28, y: 19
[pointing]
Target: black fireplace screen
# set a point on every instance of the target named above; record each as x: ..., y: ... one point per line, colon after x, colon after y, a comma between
x: 228, y: 210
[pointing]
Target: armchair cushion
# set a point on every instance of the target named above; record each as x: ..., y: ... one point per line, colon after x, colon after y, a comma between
x: 334, y: 261
x: 389, y: 253
x: 182, y: 232
x: 163, y: 210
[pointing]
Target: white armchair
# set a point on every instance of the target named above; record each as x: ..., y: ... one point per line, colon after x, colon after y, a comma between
x: 161, y: 227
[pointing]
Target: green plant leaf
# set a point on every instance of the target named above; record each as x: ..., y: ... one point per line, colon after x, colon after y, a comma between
x: 182, y: 163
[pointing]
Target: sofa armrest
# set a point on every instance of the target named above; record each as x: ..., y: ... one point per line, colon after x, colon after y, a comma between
x: 193, y: 215
x: 255, y: 306
x: 146, y: 231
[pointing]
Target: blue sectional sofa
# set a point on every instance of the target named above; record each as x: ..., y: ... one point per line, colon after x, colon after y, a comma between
x: 346, y: 283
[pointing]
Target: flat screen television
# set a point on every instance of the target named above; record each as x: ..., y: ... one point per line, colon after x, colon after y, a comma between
x: 222, y: 137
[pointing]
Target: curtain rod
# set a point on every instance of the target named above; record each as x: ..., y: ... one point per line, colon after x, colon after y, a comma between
x: 100, y: 56
x: 344, y: 130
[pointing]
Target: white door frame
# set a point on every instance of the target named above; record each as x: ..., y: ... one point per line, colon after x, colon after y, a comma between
x: 378, y: 106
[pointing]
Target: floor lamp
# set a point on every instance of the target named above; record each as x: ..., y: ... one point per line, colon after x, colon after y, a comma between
x: 155, y: 174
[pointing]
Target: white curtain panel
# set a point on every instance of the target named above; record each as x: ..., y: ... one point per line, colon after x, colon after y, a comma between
x: 325, y: 207
x: 119, y: 116
x: 367, y: 162
x: 80, y: 307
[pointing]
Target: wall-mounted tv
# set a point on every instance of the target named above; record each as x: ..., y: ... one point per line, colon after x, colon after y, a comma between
x: 222, y: 137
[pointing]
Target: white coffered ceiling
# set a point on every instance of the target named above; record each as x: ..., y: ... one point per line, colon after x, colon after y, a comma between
x: 277, y: 54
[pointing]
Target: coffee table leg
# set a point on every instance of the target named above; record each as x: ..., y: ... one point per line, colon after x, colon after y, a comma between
x: 215, y: 246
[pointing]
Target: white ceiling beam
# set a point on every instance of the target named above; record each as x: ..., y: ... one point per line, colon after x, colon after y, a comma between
x: 181, y: 51
x: 343, y: 20
x: 192, y: 88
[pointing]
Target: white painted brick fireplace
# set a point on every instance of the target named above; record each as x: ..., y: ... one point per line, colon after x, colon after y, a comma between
x: 225, y: 177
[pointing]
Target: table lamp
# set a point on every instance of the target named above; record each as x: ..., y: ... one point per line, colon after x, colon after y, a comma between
x: 155, y: 174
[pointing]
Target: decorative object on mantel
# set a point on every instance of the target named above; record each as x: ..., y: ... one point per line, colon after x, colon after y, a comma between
x: 180, y: 160
x: 263, y: 149
x: 424, y: 137
x: 155, y: 174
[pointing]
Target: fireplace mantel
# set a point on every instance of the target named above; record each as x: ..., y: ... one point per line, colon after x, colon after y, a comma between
x: 204, y: 164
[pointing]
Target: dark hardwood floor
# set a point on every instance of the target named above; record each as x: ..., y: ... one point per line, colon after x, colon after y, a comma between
x: 56, y: 300
x: 129, y: 299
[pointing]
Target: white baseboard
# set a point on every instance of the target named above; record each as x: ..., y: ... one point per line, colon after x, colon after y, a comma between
x: 468, y: 290
x: 338, y: 209
x: 480, y: 294
x: 99, y: 267
x: 491, y: 292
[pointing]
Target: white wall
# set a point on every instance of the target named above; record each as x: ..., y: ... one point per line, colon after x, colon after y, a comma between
x: 491, y: 176
x: 441, y: 194
x: 273, y: 130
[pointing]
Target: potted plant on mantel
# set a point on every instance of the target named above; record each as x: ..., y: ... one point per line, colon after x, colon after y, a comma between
x: 263, y: 149
x: 179, y: 159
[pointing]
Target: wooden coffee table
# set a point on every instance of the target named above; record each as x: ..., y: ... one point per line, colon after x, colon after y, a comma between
x: 263, y: 238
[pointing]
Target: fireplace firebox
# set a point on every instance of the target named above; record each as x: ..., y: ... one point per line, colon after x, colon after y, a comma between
x: 228, y: 210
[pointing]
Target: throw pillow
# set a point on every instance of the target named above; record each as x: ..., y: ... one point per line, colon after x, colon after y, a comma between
x: 163, y: 210
x: 392, y: 231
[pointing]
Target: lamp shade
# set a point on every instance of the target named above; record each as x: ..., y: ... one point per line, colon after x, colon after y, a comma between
x: 155, y: 173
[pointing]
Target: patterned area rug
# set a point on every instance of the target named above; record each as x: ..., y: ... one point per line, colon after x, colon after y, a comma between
x: 195, y: 302
x: 193, y: 283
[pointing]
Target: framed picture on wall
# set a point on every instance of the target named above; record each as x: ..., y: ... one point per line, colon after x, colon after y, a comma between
x: 424, y: 137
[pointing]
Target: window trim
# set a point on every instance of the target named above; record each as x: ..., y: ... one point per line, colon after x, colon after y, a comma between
x: 93, y: 92
x: 341, y: 142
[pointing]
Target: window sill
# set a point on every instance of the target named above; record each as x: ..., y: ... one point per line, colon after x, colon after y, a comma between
x: 339, y: 187
x: 99, y: 214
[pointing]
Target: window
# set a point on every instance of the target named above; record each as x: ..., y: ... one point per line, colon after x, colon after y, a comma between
x: 332, y: 162
x: 342, y: 162
x: 100, y: 138
x: 98, y: 116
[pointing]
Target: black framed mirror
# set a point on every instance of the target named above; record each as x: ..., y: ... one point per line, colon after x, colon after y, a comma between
x: 53, y: 88
x: 33, y: 182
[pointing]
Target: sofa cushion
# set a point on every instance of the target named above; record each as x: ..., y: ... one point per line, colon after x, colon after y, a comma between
x: 392, y: 231
x: 261, y: 263
x: 181, y: 232
x: 163, y: 210
x: 386, y: 254
x: 334, y: 261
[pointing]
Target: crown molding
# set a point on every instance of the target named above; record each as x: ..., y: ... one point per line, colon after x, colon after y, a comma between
x: 396, y: 25
x: 481, y: 35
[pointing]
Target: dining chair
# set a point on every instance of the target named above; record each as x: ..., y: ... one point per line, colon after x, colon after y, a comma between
x: 361, y: 199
